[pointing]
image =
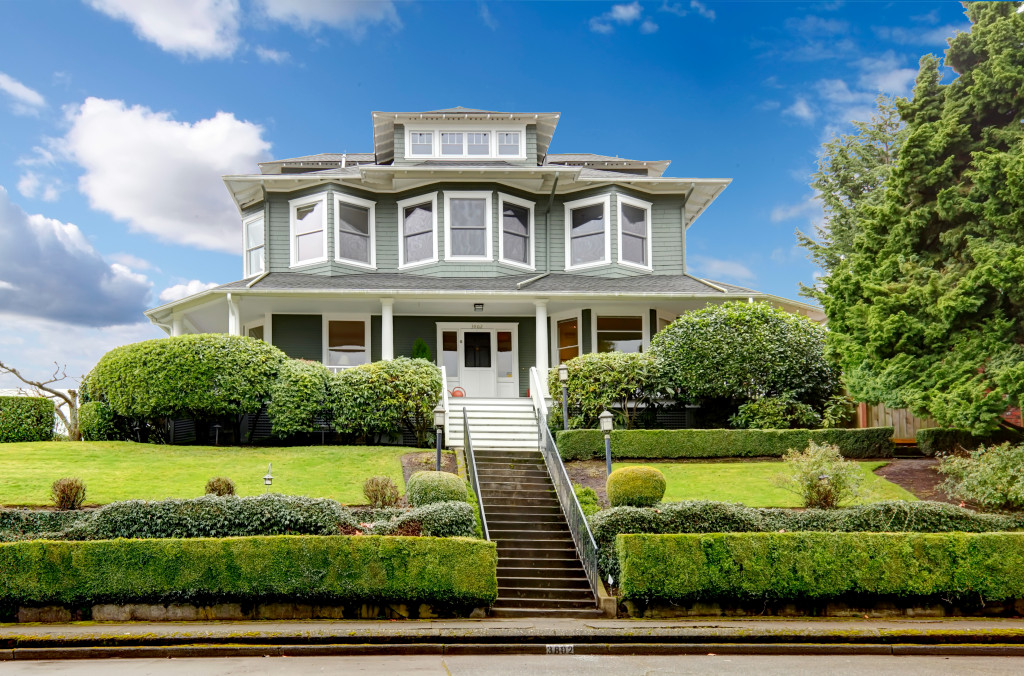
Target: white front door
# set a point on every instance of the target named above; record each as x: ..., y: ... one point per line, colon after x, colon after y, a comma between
x: 481, y: 359
x: 478, y: 357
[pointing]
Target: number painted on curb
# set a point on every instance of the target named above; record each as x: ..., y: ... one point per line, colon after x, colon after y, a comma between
x: 560, y: 649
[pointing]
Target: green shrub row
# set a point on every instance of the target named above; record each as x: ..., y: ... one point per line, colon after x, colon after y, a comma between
x: 973, y: 567
x: 22, y: 524
x: 339, y: 569
x: 933, y: 441
x: 98, y: 422
x: 26, y: 419
x: 702, y: 516
x: 871, y: 442
x: 428, y: 487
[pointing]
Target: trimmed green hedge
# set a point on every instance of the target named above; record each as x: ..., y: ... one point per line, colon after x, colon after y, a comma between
x: 871, y: 442
x: 933, y: 441
x: 26, y: 419
x: 25, y: 524
x: 336, y: 569
x: 972, y: 567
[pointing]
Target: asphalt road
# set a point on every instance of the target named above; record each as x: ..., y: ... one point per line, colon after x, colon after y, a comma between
x: 522, y: 665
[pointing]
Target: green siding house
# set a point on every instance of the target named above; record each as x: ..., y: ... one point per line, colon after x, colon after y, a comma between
x: 461, y: 229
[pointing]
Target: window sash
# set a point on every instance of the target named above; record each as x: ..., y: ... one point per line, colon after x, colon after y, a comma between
x: 346, y: 343
x: 620, y: 334
x: 353, y: 233
x: 421, y: 143
x: 508, y: 143
x: 452, y: 143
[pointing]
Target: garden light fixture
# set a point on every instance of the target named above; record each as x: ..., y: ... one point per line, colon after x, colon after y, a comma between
x: 563, y: 377
x: 439, y: 425
x: 606, y: 427
x: 268, y: 478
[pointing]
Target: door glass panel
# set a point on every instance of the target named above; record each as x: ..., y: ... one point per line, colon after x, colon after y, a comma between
x: 568, y: 339
x: 450, y: 352
x: 505, y: 360
x: 477, y: 347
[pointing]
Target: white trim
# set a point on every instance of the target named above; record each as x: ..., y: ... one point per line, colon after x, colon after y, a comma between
x: 491, y: 129
x: 612, y: 311
x: 371, y: 207
x: 578, y: 204
x: 553, y: 328
x: 527, y: 204
x: 485, y: 195
x: 293, y: 206
x: 458, y: 327
x: 410, y: 202
x: 261, y: 322
x: 325, y: 320
x: 648, y: 209
x: 246, y: 222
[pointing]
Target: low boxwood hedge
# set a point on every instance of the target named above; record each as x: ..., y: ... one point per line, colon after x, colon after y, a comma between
x: 26, y: 419
x: 932, y: 441
x: 705, y: 516
x: 26, y: 524
x: 871, y: 442
x: 336, y: 570
x: 972, y: 567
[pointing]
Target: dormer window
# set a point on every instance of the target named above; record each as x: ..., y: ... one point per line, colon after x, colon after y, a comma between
x: 451, y: 143
x: 508, y: 143
x: 478, y: 143
x: 448, y: 141
x: 421, y: 143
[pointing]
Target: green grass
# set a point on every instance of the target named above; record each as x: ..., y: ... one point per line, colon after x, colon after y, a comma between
x: 123, y: 470
x: 751, y: 483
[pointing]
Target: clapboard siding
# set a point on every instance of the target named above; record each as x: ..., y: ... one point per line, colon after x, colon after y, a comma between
x: 299, y: 336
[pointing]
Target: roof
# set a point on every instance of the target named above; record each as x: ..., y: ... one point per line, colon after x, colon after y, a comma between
x: 649, y: 167
x: 315, y: 162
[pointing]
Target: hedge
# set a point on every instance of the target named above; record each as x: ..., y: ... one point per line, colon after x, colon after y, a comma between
x: 972, y: 567
x: 22, y: 524
x: 337, y: 569
x: 98, y: 422
x: 26, y: 419
x: 871, y: 442
x: 705, y: 516
x: 933, y: 441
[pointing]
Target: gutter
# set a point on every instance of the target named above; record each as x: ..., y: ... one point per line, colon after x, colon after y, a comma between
x: 531, y: 280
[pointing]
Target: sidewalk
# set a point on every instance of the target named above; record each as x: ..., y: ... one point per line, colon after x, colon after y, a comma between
x: 947, y: 636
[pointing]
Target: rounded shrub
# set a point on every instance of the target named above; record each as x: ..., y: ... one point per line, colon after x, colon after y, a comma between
x: 220, y: 486
x: 426, y: 488
x: 26, y: 419
x: 298, y: 397
x: 380, y: 492
x: 68, y: 493
x: 635, y: 487
x: 98, y: 422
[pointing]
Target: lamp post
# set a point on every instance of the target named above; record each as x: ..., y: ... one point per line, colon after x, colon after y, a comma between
x: 268, y: 478
x: 439, y: 425
x: 563, y: 377
x: 606, y: 426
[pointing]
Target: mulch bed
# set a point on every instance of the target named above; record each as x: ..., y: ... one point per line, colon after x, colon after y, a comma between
x: 426, y: 460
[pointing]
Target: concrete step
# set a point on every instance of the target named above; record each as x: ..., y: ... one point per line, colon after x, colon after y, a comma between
x: 549, y: 526
x: 578, y: 582
x: 550, y: 567
x: 492, y: 472
x: 517, y: 496
x: 512, y: 512
x: 555, y: 604
x: 513, y: 613
x: 564, y: 550
x: 515, y: 484
x: 571, y: 595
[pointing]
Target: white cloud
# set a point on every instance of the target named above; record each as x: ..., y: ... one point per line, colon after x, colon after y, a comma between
x: 599, y: 25
x: 809, y: 207
x: 179, y: 291
x: 162, y: 176
x: 648, y: 27
x: 7, y: 286
x: 626, y: 14
x: 717, y: 267
x: 768, y: 104
x: 701, y: 9
x: 32, y: 185
x: 885, y: 74
x: 352, y: 16
x: 200, y: 28
x: 25, y: 101
x: 916, y: 36
x: 800, y: 110
x: 60, y: 276
x: 487, y: 17
x: 40, y: 157
x: 815, y: 26
x: 268, y: 55
x: 132, y: 261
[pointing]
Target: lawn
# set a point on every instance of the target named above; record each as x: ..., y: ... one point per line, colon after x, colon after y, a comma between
x: 123, y: 470
x: 751, y: 483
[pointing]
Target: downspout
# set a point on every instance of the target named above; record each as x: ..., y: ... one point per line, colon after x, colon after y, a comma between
x: 686, y: 200
x: 547, y: 227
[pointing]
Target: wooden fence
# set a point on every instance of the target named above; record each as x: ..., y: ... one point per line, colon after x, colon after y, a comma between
x: 905, y: 425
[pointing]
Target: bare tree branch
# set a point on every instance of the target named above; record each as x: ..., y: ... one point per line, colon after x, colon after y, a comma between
x: 61, y: 397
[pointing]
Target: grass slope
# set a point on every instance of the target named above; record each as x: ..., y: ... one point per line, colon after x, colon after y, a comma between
x: 751, y: 483
x: 122, y: 470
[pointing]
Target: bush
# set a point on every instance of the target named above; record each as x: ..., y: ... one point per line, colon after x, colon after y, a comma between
x: 992, y: 477
x: 635, y: 487
x: 381, y: 491
x: 429, y: 487
x: 220, y: 486
x: 790, y: 567
x: 298, y: 397
x: 702, y: 516
x: 420, y: 350
x: 201, y: 376
x: 587, y: 497
x: 871, y: 442
x: 623, y: 383
x: 820, y: 476
x: 745, y: 351
x: 68, y: 493
x: 437, y: 519
x: 775, y: 413
x: 28, y: 524
x: 939, y: 441
x: 26, y: 419
x: 386, y: 397
x: 98, y: 422
x: 450, y: 574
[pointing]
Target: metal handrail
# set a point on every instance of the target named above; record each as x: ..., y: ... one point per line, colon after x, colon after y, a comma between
x: 471, y: 471
x: 586, y: 546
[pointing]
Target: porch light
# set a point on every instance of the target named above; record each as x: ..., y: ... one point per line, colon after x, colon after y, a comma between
x: 439, y: 426
x: 478, y: 307
x: 268, y: 478
x: 563, y: 373
x: 605, y: 420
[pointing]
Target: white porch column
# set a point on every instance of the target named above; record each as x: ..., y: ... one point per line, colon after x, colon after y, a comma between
x: 177, y: 325
x: 542, y: 342
x: 387, y: 328
x: 234, y: 317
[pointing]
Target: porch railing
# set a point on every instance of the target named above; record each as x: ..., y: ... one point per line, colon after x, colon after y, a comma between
x: 474, y: 480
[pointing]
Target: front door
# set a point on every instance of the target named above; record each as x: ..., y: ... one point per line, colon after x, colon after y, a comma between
x: 480, y: 359
x: 478, y: 374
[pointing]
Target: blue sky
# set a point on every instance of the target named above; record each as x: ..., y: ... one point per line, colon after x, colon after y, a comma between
x: 117, y: 118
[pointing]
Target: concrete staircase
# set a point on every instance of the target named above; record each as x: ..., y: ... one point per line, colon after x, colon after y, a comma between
x: 494, y: 423
x: 539, y: 572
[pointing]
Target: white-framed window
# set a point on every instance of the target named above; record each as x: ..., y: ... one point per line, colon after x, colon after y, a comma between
x: 452, y: 143
x: 478, y: 143
x: 567, y: 336
x: 465, y: 141
x: 620, y: 331
x: 634, y: 232
x: 253, y: 234
x: 355, y: 231
x: 587, y: 232
x: 515, y: 242
x: 421, y: 143
x: 467, y: 226
x: 308, y: 229
x: 346, y: 340
x: 417, y: 227
x: 510, y: 143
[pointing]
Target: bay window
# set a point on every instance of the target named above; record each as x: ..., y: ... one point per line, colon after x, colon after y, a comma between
x: 467, y: 225
x: 418, y: 230
x: 255, y: 251
x: 587, y: 233
x: 308, y: 230
x: 354, y: 231
x: 515, y: 245
x: 634, y: 232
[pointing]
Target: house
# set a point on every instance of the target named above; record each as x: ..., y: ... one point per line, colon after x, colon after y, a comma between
x: 461, y: 228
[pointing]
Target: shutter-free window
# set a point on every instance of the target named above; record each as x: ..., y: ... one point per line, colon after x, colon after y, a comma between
x: 346, y: 344
x: 418, y: 232
x: 353, y: 232
x: 620, y: 334
x: 421, y: 143
x: 515, y: 233
x: 309, y: 232
x: 478, y: 143
x: 255, y: 256
x: 468, y: 218
x: 586, y: 235
x: 634, y: 235
x: 451, y: 143
x: 508, y: 143
x: 568, y: 331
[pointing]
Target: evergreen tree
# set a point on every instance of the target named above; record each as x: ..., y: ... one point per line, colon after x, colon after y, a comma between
x: 927, y: 310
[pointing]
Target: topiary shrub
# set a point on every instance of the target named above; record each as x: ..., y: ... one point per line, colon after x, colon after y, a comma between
x: 98, y: 422
x: 381, y: 492
x: 635, y: 487
x: 68, y: 493
x: 992, y: 476
x: 820, y: 476
x: 26, y: 419
x: 298, y: 396
x: 429, y: 487
x: 626, y: 384
x: 220, y: 486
